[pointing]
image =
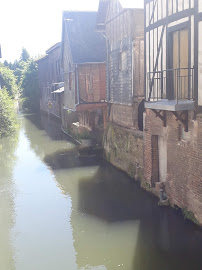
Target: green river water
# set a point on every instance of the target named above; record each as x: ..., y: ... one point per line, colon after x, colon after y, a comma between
x: 59, y: 211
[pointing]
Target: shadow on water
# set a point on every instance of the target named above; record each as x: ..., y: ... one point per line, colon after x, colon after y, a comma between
x: 67, y: 159
x: 165, y: 239
x: 50, y: 125
x: 110, y: 195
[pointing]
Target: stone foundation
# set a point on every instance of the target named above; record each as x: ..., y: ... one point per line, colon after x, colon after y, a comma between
x: 124, y: 149
x: 128, y: 116
x: 69, y: 117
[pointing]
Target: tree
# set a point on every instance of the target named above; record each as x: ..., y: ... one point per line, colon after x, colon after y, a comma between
x: 7, y: 114
x: 6, y: 63
x: 24, y: 55
x: 19, y: 70
x: 8, y: 80
x: 30, y: 86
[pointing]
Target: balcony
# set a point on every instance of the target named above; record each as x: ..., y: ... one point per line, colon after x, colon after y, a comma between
x: 170, y: 90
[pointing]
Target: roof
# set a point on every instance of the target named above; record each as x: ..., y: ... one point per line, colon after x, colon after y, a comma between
x: 103, y: 8
x: 53, y: 47
x: 58, y: 91
x: 102, y: 14
x: 86, y: 44
x: 131, y: 3
x: 41, y: 58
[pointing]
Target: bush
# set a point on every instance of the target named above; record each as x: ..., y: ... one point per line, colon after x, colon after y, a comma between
x: 30, y: 87
x: 8, y: 123
x: 8, y: 80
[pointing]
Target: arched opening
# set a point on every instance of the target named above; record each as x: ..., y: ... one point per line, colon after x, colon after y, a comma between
x: 141, y: 110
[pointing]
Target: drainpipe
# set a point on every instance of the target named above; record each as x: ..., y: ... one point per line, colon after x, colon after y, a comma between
x: 132, y: 82
x: 108, y: 77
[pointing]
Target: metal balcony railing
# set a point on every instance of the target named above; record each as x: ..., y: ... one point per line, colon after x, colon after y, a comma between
x: 172, y: 84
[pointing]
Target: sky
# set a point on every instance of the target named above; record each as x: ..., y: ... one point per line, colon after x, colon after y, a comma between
x: 35, y: 24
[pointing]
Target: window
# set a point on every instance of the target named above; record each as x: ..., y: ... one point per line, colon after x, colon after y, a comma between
x: 178, y: 76
x: 141, y: 110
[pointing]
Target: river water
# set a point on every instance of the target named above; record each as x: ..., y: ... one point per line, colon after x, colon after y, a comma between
x: 61, y: 211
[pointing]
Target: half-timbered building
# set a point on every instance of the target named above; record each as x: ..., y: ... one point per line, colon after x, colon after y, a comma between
x: 173, y: 91
x: 83, y: 61
x: 123, y: 27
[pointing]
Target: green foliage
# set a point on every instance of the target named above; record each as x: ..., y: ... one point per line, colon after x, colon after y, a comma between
x: 24, y: 55
x: 22, y: 75
x: 131, y: 170
x: 7, y: 114
x: 85, y: 135
x: 30, y: 86
x: 19, y: 70
x: 189, y: 215
x: 8, y: 80
x: 6, y: 63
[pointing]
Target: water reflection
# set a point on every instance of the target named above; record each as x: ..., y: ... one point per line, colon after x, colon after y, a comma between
x: 44, y: 139
x: 81, y: 213
x: 8, y: 160
x: 117, y: 224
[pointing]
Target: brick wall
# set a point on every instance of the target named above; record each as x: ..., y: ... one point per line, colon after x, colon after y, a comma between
x: 184, y: 159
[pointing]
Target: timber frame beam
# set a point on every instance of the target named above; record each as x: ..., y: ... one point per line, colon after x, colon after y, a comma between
x: 183, y: 117
x: 161, y: 115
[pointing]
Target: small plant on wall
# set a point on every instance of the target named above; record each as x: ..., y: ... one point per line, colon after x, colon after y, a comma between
x: 85, y: 135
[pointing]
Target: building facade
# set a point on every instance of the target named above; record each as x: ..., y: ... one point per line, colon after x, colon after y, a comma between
x: 124, y: 31
x: 173, y: 90
x: 83, y: 62
x: 51, y: 81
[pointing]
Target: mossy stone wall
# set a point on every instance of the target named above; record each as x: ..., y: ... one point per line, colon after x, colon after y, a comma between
x: 123, y: 148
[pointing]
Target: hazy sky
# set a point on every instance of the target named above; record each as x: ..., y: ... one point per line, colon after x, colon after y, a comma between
x: 35, y: 24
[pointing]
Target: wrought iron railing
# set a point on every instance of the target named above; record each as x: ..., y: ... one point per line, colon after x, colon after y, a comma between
x: 173, y: 84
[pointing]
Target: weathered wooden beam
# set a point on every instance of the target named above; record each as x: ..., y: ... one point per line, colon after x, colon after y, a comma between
x: 157, y: 58
x: 161, y: 116
x: 184, y: 120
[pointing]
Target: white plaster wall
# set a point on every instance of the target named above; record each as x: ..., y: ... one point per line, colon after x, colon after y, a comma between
x: 200, y: 5
x: 162, y: 144
x: 200, y: 67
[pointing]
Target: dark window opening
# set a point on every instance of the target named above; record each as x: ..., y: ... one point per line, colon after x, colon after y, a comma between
x: 141, y: 110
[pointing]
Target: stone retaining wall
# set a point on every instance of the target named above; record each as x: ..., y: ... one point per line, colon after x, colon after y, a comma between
x: 123, y: 148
